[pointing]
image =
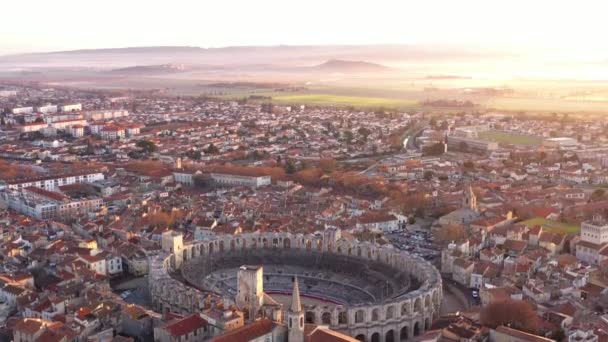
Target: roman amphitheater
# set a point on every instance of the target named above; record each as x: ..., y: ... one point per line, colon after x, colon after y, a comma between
x: 371, y: 292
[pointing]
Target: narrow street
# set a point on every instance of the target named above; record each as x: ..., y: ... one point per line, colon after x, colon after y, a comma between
x: 453, y: 299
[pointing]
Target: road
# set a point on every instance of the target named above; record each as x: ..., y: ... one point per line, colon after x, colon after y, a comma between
x: 411, y: 135
x: 454, y: 300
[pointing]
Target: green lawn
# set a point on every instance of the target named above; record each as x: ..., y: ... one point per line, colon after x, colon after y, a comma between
x: 510, y: 138
x: 340, y: 100
x: 553, y: 226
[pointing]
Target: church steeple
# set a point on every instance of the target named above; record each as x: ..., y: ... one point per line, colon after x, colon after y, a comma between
x: 296, y: 305
x: 470, y: 199
x: 295, y: 316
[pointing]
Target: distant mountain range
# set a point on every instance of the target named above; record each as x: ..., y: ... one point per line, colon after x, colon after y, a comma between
x: 325, y: 57
x: 151, y: 69
x: 337, y: 65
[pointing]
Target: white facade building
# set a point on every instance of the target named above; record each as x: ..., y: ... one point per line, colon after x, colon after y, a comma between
x: 8, y: 93
x: 43, y: 204
x: 32, y: 127
x: 47, y: 109
x: 50, y: 183
x: 237, y: 180
x: 77, y: 131
x: 22, y: 110
x: 106, y: 114
x: 594, y: 240
x: 595, y: 231
x: 112, y: 133
x: 68, y: 123
x: 71, y: 107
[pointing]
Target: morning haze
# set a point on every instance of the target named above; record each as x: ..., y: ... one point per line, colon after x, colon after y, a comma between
x: 303, y: 171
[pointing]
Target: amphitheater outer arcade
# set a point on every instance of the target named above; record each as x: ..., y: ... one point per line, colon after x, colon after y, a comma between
x: 398, y: 318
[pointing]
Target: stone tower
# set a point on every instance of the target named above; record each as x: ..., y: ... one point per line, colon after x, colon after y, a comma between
x: 470, y: 199
x: 250, y: 290
x: 295, y: 316
x: 172, y: 242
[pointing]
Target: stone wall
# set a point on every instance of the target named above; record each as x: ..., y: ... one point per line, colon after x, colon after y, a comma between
x: 398, y: 318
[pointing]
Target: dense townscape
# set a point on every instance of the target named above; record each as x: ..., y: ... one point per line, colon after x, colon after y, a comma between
x: 122, y: 214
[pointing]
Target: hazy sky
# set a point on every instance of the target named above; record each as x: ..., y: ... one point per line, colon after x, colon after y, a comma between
x: 577, y: 27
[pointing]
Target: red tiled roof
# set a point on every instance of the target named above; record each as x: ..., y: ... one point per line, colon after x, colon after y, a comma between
x: 248, y: 332
x: 49, y: 194
x: 29, y: 326
x: 319, y: 334
x: 186, y: 325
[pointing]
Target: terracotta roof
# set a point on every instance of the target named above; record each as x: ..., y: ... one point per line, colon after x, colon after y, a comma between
x: 186, y: 325
x: 522, y: 336
x: 49, y: 194
x: 515, y: 245
x: 319, y: 334
x: 566, y: 309
x: 29, y: 326
x: 248, y: 332
x: 51, y: 336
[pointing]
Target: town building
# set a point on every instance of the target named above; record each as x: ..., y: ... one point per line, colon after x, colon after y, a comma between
x: 238, y: 180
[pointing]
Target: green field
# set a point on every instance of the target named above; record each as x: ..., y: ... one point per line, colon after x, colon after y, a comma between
x: 510, y: 138
x: 553, y: 226
x: 340, y: 100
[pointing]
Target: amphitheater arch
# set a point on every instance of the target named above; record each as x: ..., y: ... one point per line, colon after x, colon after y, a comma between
x: 389, y: 336
x: 399, y: 319
x: 417, y: 329
x: 310, y: 317
x: 418, y: 305
x: 375, y: 315
x: 359, y: 316
x: 405, y: 310
x: 360, y: 337
x: 404, y: 334
x: 326, y: 318
x: 390, y: 312
x: 375, y: 337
